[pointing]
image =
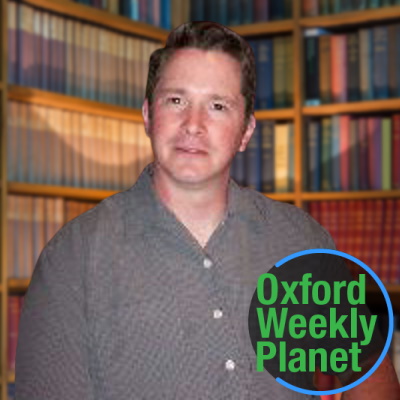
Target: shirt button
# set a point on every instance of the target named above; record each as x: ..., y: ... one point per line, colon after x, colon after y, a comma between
x: 230, y: 365
x: 207, y: 263
x: 217, y: 313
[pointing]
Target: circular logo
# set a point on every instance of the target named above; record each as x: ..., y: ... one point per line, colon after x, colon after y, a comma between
x: 308, y: 318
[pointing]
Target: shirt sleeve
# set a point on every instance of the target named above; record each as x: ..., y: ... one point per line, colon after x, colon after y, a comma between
x: 52, y: 360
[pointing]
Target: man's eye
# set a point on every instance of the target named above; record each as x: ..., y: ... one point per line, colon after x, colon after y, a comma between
x: 174, y: 100
x: 219, y: 106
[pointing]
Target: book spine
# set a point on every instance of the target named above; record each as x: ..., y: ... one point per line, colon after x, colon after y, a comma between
x: 281, y: 155
x: 279, y: 71
x: 336, y: 153
x: 344, y: 141
x: 312, y: 96
x: 339, y: 68
x: 353, y: 67
x: 314, y: 151
x: 374, y: 153
x: 386, y: 153
x: 326, y: 167
x: 380, y: 60
x: 354, y: 154
x: 253, y: 160
x: 12, y: 41
x: 366, y: 65
x: 324, y: 68
x: 396, y: 152
x: 363, y: 153
x: 267, y: 132
x: 265, y: 74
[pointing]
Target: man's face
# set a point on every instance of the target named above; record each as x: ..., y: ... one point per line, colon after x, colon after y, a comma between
x: 198, y: 116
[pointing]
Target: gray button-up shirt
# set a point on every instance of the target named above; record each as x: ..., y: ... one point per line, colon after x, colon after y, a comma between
x: 125, y: 304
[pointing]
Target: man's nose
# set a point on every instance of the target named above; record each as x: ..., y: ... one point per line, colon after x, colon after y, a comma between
x: 195, y: 120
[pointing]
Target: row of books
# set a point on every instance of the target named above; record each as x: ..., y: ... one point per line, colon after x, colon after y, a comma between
x: 237, y: 12
x: 60, y: 147
x: 274, y: 69
x: 154, y: 12
x: 360, y: 65
x: 366, y: 229
x: 31, y: 222
x: 353, y: 153
x: 313, y: 8
x: 71, y: 57
x: 267, y: 164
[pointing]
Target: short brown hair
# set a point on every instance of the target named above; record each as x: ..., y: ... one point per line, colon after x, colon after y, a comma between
x: 206, y: 35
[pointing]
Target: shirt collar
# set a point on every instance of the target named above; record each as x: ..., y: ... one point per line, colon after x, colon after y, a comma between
x: 151, y: 208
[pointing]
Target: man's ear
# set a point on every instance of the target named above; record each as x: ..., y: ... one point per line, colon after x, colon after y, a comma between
x: 248, y: 132
x: 146, y: 116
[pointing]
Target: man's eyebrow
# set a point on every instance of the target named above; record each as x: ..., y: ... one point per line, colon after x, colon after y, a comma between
x: 214, y: 96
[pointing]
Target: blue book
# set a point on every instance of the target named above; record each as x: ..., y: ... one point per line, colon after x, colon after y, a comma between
x: 314, y: 156
x: 380, y: 68
x: 254, y: 46
x: 267, y: 139
x: 337, y: 6
x: 311, y: 59
x: 326, y: 149
x: 134, y: 9
x: 240, y: 168
x: 359, y: 4
x: 335, y: 155
x: 234, y: 12
x: 346, y: 5
x: 366, y: 64
x: 223, y: 12
x: 166, y: 13
x: 277, y: 9
x: 253, y: 160
x: 211, y: 10
x: 264, y: 70
x: 247, y: 12
x: 149, y: 16
x: 374, y: 3
x: 197, y: 9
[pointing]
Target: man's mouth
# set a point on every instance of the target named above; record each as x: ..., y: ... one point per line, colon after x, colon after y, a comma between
x: 192, y: 150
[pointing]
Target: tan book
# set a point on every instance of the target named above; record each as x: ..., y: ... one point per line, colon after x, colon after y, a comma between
x: 12, y: 232
x: 144, y: 148
x: 76, y: 146
x: 115, y: 154
x: 325, y: 68
x: 103, y: 65
x: 113, y: 6
x: 85, y: 61
x: 42, y: 134
x: 107, y: 135
x: 129, y: 153
x: 35, y: 133
x: 121, y: 83
x: 25, y: 241
x: 38, y: 228
x: 92, y: 62
x: 281, y: 157
x: 67, y: 166
x: 86, y: 150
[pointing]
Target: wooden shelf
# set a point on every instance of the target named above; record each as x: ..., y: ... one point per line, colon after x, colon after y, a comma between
x: 18, y: 284
x: 281, y: 196
x: 352, y: 17
x: 59, y: 191
x: 356, y: 195
x: 51, y: 99
x: 261, y: 28
x: 97, y: 16
x: 11, y: 377
x: 283, y: 113
x: 353, y: 107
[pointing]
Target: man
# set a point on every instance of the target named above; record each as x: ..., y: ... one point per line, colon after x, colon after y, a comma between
x: 146, y: 295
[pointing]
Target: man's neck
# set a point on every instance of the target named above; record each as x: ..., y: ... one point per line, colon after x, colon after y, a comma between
x: 199, y: 207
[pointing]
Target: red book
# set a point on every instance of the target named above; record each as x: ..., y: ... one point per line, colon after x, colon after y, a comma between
x: 313, y: 209
x: 387, y: 234
x: 324, y: 215
x: 396, y: 152
x: 394, y: 276
x: 359, y: 213
x: 368, y: 232
x: 13, y: 324
x: 342, y: 226
x: 377, y: 237
x: 351, y: 226
x: 310, y: 8
x: 339, y: 68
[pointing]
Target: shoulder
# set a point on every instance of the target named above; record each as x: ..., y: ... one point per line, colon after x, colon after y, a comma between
x: 102, y: 224
x: 287, y: 220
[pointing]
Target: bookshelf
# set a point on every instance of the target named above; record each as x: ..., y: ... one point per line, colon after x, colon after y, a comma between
x: 297, y: 113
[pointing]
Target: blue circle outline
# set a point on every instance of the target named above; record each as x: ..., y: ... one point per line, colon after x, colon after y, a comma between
x: 390, y: 313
